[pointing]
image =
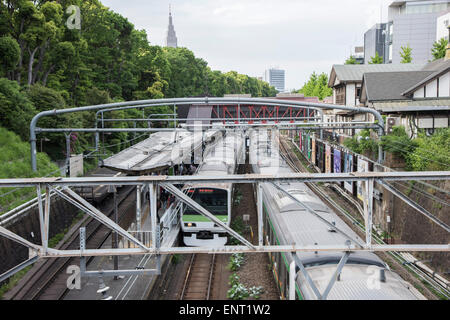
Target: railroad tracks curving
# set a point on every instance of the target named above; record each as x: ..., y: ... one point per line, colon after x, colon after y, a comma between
x: 47, y: 280
x: 199, y: 277
x: 423, y: 275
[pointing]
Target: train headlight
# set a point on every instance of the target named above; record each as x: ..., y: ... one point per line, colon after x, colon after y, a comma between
x: 190, y: 224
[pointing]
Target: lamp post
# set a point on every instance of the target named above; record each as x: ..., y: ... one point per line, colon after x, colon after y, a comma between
x: 44, y: 139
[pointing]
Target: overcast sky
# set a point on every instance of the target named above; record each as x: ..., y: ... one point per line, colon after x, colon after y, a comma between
x: 250, y: 36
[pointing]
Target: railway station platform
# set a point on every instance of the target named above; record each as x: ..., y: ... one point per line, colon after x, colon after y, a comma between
x: 132, y: 287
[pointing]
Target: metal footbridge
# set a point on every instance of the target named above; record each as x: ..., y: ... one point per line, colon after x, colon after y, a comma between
x: 154, y: 233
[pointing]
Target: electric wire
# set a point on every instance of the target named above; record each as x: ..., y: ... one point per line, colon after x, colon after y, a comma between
x: 424, y: 193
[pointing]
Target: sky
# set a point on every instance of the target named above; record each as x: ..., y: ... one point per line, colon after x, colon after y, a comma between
x: 250, y: 36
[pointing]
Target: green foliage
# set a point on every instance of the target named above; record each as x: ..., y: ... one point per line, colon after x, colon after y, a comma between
x: 238, y: 291
x: 15, y: 163
x: 13, y: 280
x: 16, y: 110
x: 237, y: 196
x: 9, y: 55
x: 405, y: 53
x: 49, y: 67
x: 432, y: 152
x: 398, y: 142
x: 351, y: 60
x: 239, y: 226
x: 424, y: 153
x: 361, y: 143
x: 317, y: 86
x: 377, y: 59
x: 176, y: 258
x: 108, y: 53
x: 236, y: 261
x: 439, y: 48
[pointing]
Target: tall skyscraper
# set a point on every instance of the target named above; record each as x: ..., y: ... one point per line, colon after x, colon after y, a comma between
x: 171, y: 40
x: 276, y: 78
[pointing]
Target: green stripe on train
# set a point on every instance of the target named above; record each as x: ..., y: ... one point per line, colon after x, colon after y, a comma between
x: 200, y: 218
x: 288, y: 267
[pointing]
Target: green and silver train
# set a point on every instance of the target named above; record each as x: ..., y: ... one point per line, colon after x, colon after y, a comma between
x: 219, y: 159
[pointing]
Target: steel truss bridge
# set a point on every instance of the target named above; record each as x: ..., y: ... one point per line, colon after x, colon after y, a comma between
x: 233, y: 112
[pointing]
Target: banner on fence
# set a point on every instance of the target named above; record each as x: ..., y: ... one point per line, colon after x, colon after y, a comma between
x: 309, y: 148
x: 328, y: 159
x: 313, y: 151
x: 363, y: 166
x: 348, y: 167
x: 337, y: 161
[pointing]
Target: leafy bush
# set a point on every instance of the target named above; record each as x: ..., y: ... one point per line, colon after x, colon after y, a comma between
x: 236, y: 261
x: 399, y: 143
x: 238, y: 291
x: 15, y: 162
x: 255, y: 292
x: 431, y: 153
x: 361, y: 143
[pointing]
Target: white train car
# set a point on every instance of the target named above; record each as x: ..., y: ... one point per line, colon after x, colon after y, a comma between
x: 220, y: 158
x: 364, y: 277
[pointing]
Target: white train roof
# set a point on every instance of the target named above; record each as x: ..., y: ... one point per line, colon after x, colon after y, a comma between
x: 160, y: 150
x: 359, y: 282
x: 294, y: 224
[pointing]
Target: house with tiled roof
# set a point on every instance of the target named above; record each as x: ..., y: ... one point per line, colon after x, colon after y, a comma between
x: 414, y: 99
x: 416, y: 96
x: 346, y: 82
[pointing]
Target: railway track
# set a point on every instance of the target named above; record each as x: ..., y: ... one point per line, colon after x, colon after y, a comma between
x: 296, y: 165
x: 47, y: 279
x: 199, y: 277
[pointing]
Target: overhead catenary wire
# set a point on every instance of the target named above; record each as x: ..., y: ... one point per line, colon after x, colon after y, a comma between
x: 426, y: 158
x: 424, y: 193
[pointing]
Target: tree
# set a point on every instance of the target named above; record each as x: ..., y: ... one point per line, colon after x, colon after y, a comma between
x: 377, y: 59
x: 439, y: 48
x: 16, y: 110
x: 9, y: 55
x: 405, y: 53
x: 317, y: 86
x: 351, y: 60
x: 107, y: 60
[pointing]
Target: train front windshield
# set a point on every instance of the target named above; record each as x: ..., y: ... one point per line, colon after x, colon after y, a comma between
x: 213, y: 200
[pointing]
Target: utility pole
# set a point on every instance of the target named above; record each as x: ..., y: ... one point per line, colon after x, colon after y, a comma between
x: 115, y: 236
x: 68, y: 154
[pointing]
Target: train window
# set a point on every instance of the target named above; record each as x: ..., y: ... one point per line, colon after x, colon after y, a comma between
x: 213, y: 200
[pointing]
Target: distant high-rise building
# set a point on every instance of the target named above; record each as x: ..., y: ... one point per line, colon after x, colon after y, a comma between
x: 276, y: 78
x: 375, y: 42
x: 358, y: 54
x: 443, y: 23
x: 413, y: 23
x: 171, y: 40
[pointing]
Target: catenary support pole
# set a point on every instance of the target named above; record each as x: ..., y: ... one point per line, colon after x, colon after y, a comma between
x: 292, y: 275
